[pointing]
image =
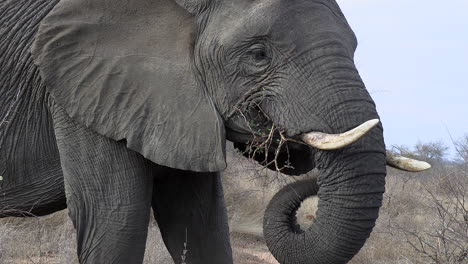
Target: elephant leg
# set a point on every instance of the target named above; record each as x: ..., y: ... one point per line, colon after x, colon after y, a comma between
x: 108, y: 189
x: 190, y: 211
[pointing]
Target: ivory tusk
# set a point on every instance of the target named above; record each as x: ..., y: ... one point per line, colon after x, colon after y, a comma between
x: 336, y: 141
x: 406, y: 164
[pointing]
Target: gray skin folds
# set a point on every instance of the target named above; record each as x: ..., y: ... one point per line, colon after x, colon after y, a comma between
x: 29, y: 161
x: 164, y: 84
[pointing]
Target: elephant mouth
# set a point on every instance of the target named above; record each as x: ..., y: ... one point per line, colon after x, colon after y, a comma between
x: 291, y: 155
x: 317, y: 140
x: 237, y: 136
x: 322, y: 141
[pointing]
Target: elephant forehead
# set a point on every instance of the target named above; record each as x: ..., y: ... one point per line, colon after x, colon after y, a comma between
x: 288, y: 23
x: 245, y: 18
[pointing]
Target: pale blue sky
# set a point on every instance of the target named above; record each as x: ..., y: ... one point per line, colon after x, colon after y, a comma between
x: 413, y: 57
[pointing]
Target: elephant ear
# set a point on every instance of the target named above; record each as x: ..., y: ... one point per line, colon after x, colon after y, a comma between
x: 123, y: 69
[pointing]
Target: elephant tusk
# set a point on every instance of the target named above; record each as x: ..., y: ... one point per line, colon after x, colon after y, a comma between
x: 406, y: 164
x: 336, y: 141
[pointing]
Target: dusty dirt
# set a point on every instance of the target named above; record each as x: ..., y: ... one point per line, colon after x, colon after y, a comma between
x: 51, y: 240
x: 249, y: 249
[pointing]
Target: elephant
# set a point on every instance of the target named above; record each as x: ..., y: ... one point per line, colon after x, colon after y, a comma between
x: 113, y: 107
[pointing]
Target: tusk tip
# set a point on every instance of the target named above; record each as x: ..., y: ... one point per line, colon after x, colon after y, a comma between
x: 422, y: 166
x: 406, y: 164
x: 368, y: 125
x: 373, y: 122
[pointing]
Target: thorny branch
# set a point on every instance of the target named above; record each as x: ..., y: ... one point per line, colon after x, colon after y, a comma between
x: 262, y: 143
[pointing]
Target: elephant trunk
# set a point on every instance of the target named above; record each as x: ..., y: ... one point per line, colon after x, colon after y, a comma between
x: 350, y: 186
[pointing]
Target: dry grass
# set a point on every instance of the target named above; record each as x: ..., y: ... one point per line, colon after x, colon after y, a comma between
x: 49, y: 239
x: 423, y: 219
x: 412, y: 212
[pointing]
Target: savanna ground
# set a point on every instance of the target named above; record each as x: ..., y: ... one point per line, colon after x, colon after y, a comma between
x: 424, y: 218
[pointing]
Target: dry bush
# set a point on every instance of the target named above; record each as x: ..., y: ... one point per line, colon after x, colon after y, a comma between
x: 461, y: 146
x: 444, y: 236
x: 423, y: 219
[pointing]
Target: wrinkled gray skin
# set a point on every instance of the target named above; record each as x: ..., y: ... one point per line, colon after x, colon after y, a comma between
x: 259, y: 63
x: 29, y: 161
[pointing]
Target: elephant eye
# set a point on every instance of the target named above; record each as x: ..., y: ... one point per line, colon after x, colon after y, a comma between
x: 256, y: 59
x: 259, y: 55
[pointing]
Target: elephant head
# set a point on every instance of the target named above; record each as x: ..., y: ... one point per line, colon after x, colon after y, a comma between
x: 174, y: 79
